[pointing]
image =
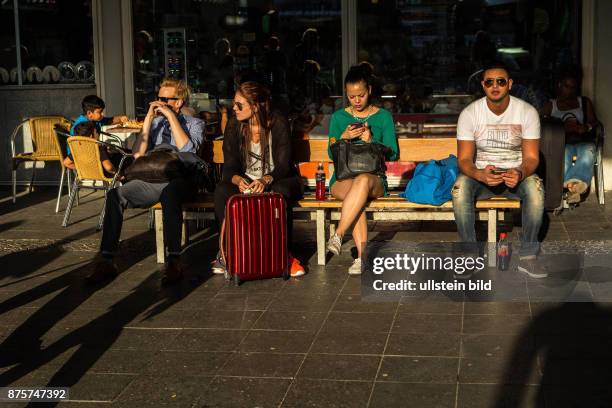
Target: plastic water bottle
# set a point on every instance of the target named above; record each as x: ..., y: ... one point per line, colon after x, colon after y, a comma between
x: 503, y: 252
x: 320, y: 183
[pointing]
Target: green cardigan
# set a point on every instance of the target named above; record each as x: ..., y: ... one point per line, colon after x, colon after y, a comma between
x: 382, y: 128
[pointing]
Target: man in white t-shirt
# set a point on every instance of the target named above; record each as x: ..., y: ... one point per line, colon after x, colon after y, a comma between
x: 498, y: 153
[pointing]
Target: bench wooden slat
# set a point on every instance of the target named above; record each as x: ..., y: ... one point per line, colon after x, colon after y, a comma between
x: 206, y: 201
x: 395, y: 202
x: 411, y: 149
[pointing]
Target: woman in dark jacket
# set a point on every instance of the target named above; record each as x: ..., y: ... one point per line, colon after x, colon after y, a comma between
x: 257, y: 157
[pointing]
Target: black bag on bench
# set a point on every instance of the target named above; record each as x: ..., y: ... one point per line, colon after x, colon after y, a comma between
x: 352, y: 158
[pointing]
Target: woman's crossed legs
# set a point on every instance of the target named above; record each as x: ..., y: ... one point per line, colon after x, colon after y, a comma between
x: 354, y: 194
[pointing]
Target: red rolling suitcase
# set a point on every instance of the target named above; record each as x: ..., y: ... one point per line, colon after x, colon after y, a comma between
x: 254, y: 238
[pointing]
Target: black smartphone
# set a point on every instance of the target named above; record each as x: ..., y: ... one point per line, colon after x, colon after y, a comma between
x: 357, y: 125
x: 499, y: 171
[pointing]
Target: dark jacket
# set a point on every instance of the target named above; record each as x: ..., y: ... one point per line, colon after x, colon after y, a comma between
x: 233, y: 156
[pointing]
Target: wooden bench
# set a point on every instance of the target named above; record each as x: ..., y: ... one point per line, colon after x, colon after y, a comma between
x: 392, y: 208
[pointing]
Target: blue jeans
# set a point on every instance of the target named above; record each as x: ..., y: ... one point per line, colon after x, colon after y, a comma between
x: 531, y: 193
x: 582, y: 170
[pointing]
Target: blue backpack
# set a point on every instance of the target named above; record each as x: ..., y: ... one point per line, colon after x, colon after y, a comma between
x: 432, y: 182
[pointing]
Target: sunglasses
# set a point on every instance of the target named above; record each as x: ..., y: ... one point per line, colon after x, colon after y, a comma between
x: 165, y: 99
x: 238, y: 105
x: 500, y: 82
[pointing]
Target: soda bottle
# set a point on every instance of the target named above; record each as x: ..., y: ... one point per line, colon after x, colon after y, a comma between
x: 320, y: 183
x: 503, y: 252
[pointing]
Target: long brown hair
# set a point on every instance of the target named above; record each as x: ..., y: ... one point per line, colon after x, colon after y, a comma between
x: 258, y: 97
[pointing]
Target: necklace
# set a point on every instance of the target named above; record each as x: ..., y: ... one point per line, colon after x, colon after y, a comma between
x: 362, y: 120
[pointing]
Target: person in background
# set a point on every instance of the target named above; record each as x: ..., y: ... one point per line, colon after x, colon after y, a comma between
x: 579, y: 141
x: 93, y: 110
x: 257, y: 157
x: 375, y: 126
x: 88, y: 129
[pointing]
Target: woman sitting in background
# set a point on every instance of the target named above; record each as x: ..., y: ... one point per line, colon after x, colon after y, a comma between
x: 370, y: 124
x: 579, y: 142
x: 257, y: 157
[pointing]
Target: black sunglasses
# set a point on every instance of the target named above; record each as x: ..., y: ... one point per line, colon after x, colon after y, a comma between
x: 500, y: 82
x: 238, y: 105
x: 165, y: 99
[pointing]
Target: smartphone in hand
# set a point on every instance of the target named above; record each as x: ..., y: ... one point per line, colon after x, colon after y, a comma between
x: 499, y: 171
x: 357, y: 125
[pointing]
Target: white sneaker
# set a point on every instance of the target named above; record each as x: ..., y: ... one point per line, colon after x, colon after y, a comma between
x: 334, y: 245
x: 531, y: 267
x: 355, y: 268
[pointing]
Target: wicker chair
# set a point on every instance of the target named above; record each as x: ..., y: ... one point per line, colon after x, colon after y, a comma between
x: 90, y: 174
x: 46, y: 148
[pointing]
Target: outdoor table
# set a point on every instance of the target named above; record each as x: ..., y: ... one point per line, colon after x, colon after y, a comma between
x: 126, y: 135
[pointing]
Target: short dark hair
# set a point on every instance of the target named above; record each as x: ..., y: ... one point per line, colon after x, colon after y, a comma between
x: 85, y: 129
x: 570, y: 72
x: 91, y: 103
x: 495, y: 65
x: 356, y: 74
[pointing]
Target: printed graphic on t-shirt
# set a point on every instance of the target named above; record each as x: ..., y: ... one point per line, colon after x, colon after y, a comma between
x: 254, y: 168
x: 499, y: 145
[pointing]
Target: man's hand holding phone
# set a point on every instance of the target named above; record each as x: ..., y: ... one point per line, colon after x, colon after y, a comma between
x: 512, y: 177
x: 490, y: 177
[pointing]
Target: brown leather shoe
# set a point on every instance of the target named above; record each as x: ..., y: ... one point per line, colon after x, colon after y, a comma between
x: 104, y: 270
x: 173, y: 272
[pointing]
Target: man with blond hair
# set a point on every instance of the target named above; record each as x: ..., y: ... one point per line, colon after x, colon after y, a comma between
x: 164, y: 124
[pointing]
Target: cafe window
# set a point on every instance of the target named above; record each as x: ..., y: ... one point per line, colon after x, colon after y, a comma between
x: 427, y: 54
x: 292, y: 46
x: 55, y: 42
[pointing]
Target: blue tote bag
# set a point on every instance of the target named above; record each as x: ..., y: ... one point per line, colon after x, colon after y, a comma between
x: 432, y: 182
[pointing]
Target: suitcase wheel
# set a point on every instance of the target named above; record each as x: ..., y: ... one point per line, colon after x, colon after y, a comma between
x: 227, y: 275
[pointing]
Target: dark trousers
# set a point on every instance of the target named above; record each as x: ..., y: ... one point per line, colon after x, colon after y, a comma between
x: 139, y: 194
x: 291, y: 188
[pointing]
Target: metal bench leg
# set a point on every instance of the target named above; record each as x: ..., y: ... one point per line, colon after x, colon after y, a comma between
x: 159, y: 236
x: 320, y: 237
x: 492, y: 237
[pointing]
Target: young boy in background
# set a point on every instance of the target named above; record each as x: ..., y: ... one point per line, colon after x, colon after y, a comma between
x: 93, y: 110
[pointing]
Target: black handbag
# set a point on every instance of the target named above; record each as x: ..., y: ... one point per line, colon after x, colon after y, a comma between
x: 353, y: 157
x: 165, y: 163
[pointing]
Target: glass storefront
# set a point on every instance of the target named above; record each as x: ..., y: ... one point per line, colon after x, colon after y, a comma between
x: 293, y: 46
x: 426, y: 54
x: 56, y: 42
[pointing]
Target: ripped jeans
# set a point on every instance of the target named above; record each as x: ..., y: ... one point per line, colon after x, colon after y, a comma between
x: 531, y: 193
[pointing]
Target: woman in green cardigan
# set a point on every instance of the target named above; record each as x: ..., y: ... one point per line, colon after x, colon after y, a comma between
x: 372, y: 125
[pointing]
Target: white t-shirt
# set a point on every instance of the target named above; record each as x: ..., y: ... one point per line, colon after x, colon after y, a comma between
x: 498, y: 138
x: 254, y: 167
